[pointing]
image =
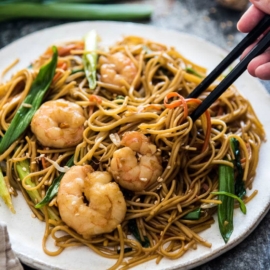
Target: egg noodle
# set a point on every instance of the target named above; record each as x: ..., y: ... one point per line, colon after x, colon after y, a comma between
x: 141, y: 87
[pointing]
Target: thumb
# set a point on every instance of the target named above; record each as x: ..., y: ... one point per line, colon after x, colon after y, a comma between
x: 263, y: 5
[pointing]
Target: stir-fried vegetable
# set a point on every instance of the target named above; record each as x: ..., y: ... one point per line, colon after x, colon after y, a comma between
x: 240, y: 189
x: 4, y: 193
x: 83, y: 11
x: 225, y: 210
x: 241, y: 203
x: 193, y: 215
x: 231, y: 187
x: 90, y: 59
x: 53, y: 189
x: 23, y: 170
x: 132, y: 225
x: 193, y: 71
x: 24, y: 115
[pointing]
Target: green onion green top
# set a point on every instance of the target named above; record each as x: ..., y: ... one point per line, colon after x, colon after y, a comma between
x: 90, y: 59
x: 53, y: 189
x: 24, y: 115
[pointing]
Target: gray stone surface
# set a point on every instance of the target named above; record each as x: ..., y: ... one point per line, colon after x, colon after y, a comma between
x: 205, y: 19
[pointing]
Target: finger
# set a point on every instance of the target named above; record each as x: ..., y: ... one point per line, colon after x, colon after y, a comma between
x: 263, y: 5
x: 263, y: 72
x: 250, y: 19
x: 258, y: 66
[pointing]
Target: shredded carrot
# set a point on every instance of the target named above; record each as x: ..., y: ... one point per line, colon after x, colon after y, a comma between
x: 49, y: 51
x: 64, y: 51
x: 56, y: 77
x: 243, y: 160
x: 61, y: 65
x: 176, y: 103
x: 220, y: 111
x: 95, y: 98
x: 44, y: 163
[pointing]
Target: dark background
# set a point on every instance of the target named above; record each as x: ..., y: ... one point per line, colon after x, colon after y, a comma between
x: 206, y: 19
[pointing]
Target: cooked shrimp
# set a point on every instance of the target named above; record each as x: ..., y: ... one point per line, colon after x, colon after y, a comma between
x: 105, y: 207
x: 117, y: 69
x: 131, y: 172
x: 58, y: 123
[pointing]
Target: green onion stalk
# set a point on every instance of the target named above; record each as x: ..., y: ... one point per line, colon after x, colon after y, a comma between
x: 73, y: 10
x: 53, y: 189
x: 4, y: 193
x: 226, y: 195
x: 24, y: 115
x: 23, y: 170
x: 90, y: 58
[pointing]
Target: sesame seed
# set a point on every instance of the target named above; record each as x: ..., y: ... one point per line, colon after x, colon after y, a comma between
x: 223, y: 25
x: 26, y: 105
x: 230, y: 37
x: 229, y: 23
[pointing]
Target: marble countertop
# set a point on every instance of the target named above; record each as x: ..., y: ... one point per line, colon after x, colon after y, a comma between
x: 216, y: 24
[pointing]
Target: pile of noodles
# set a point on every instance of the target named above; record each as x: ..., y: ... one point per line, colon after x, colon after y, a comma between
x: 190, y: 159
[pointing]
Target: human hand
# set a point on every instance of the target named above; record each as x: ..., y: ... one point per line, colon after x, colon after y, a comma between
x: 260, y: 65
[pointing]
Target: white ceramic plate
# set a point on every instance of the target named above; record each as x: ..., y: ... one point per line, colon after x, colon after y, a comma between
x: 26, y: 233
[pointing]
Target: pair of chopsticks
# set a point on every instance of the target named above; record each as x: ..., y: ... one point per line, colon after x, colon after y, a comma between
x: 262, y: 45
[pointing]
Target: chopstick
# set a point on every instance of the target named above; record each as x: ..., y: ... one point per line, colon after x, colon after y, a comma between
x: 262, y: 45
